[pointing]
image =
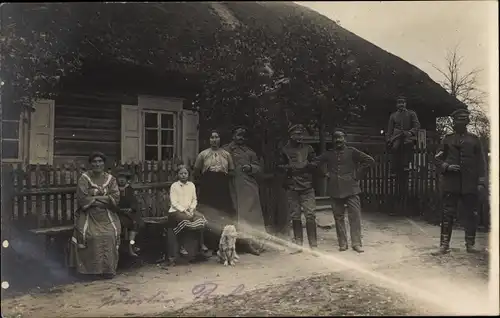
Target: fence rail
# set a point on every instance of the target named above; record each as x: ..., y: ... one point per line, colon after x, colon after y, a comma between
x: 44, y: 196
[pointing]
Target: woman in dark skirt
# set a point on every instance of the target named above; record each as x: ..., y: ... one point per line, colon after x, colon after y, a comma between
x: 129, y: 212
x: 213, y: 169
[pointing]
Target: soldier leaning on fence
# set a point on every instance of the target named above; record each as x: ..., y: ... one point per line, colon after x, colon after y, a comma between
x: 402, y: 132
x: 462, y: 164
x: 345, y: 166
x: 296, y: 160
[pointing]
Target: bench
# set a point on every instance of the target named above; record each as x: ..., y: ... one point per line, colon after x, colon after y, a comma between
x: 60, y: 235
x: 48, y: 212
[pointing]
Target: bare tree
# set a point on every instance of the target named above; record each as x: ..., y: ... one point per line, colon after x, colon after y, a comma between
x: 464, y: 86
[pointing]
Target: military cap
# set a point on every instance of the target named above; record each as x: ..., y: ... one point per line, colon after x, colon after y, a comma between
x: 339, y: 131
x: 296, y: 128
x: 239, y: 127
x: 460, y: 113
x: 401, y: 97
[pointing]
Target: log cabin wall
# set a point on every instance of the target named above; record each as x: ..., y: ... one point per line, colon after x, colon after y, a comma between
x: 86, y: 123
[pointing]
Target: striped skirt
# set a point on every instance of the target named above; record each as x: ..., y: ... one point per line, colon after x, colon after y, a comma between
x: 180, y: 221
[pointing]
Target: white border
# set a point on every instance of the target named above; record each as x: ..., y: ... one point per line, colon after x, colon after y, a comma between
x: 494, y: 158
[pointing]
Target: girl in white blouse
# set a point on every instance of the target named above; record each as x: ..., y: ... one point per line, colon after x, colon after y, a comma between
x: 182, y: 213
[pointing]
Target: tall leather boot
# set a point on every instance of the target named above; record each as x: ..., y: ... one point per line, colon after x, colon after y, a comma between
x: 444, y: 244
x: 312, y: 234
x: 297, y: 234
x: 470, y: 242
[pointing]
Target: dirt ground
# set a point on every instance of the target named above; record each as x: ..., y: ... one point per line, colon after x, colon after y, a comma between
x: 395, y: 276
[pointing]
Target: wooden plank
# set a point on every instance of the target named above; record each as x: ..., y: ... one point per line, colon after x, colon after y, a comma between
x: 84, y: 148
x: 155, y: 219
x: 72, y: 189
x: 98, y: 97
x: 83, y: 122
x: 91, y: 113
x: 87, y: 134
x: 53, y: 230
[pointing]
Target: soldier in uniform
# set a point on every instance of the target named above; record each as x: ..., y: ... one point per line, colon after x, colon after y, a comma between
x: 402, y: 134
x: 296, y: 161
x: 345, y: 167
x: 462, y: 164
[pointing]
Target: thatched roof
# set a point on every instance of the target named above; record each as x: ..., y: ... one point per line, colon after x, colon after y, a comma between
x: 391, y: 75
x: 182, y: 36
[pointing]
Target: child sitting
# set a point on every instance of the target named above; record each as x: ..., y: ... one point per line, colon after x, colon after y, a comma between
x: 182, y: 214
x: 130, y: 216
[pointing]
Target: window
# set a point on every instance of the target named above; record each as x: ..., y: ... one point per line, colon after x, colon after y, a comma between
x: 11, y: 137
x: 159, y: 135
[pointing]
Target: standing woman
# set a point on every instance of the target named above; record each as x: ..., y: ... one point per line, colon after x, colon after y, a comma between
x: 96, y: 237
x: 213, y: 169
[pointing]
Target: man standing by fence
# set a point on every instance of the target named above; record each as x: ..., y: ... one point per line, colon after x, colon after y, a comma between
x: 463, y: 167
x: 296, y: 160
x: 345, y: 166
x: 401, y: 135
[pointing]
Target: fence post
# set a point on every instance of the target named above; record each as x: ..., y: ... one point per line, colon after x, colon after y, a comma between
x: 8, y: 191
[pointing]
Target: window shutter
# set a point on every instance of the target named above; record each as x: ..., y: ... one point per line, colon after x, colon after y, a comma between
x: 41, y: 149
x: 190, y: 146
x: 131, y: 139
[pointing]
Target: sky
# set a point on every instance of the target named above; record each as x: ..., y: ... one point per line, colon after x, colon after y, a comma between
x: 421, y: 32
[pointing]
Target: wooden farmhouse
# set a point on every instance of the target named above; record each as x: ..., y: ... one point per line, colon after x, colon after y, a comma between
x: 141, y: 110
x: 132, y: 114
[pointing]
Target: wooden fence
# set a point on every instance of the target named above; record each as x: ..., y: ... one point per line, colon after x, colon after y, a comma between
x: 44, y: 196
x: 419, y: 195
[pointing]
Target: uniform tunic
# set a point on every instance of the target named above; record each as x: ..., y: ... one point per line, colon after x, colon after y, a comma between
x: 466, y: 151
x: 344, y: 167
x: 400, y: 121
x: 299, y: 180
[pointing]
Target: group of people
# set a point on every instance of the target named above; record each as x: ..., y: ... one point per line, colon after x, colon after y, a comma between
x: 227, y: 192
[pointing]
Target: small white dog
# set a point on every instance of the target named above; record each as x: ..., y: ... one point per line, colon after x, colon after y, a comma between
x: 227, y: 246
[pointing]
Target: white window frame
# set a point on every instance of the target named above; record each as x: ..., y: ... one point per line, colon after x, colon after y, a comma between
x: 159, y: 129
x: 21, y: 138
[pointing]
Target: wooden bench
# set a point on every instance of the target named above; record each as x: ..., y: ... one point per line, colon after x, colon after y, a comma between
x: 60, y: 235
x: 37, y: 209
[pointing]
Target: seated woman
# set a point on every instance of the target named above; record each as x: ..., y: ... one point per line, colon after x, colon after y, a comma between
x: 128, y: 211
x: 182, y: 214
x: 96, y: 237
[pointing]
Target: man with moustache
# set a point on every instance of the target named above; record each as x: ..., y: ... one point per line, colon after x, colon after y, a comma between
x: 462, y: 163
x: 296, y: 161
x: 345, y: 166
x: 245, y: 190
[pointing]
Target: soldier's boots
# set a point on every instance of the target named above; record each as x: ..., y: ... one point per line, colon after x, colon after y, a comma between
x: 471, y: 249
x: 298, y: 235
x: 358, y: 249
x: 312, y: 235
x: 442, y: 250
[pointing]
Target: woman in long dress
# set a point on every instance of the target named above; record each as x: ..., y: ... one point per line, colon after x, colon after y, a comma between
x: 213, y: 169
x: 245, y: 191
x: 96, y: 237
